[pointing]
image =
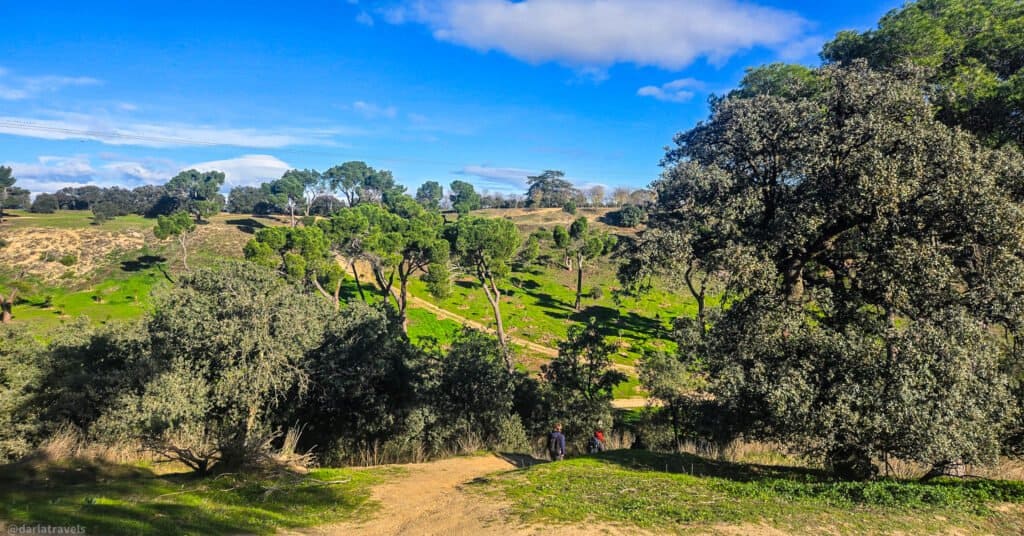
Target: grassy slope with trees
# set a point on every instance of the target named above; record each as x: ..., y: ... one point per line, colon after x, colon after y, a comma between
x: 866, y: 320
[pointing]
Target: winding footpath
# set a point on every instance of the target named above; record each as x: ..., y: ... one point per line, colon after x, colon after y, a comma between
x: 431, y: 499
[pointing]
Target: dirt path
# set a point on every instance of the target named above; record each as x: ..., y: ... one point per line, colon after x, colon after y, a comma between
x: 445, y: 314
x: 430, y: 500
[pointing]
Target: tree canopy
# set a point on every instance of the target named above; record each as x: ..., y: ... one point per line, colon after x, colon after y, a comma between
x: 860, y: 245
x: 197, y: 192
x: 973, y: 51
x: 549, y: 189
x: 464, y: 197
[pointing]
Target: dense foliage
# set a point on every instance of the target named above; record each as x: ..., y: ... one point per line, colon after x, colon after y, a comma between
x: 974, y: 53
x: 866, y: 251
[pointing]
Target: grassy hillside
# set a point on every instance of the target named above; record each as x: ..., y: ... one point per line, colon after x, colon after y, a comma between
x: 690, y: 494
x: 121, y: 499
x: 66, y: 267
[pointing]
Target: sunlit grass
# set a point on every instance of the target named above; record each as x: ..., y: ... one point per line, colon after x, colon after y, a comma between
x: 684, y: 493
x: 107, y: 499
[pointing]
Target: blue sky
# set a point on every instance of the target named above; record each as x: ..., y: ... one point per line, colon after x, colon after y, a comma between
x: 488, y: 91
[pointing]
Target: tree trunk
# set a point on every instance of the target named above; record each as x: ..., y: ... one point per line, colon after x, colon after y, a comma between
x: 359, y: 286
x: 328, y: 295
x: 291, y: 211
x: 793, y: 281
x: 403, y: 301
x: 6, y: 307
x: 579, y: 282
x: 697, y: 295
x: 494, y: 297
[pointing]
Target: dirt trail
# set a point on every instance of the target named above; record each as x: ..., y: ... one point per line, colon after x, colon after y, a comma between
x: 430, y: 500
x: 445, y: 314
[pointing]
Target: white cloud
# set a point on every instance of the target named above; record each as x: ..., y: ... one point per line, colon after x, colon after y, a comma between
x: 13, y: 87
x: 374, y: 111
x: 680, y: 90
x: 803, y: 49
x: 51, y: 173
x: 669, y: 34
x: 498, y: 178
x: 112, y: 131
x: 246, y: 170
x: 364, y: 18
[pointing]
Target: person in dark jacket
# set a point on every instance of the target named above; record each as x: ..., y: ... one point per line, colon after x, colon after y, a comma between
x: 596, y: 442
x: 556, y: 444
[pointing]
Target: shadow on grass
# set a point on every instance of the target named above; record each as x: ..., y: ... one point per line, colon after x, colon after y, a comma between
x: 803, y: 482
x: 246, y: 225
x: 142, y: 262
x: 520, y: 460
x: 705, y: 467
x: 115, y: 499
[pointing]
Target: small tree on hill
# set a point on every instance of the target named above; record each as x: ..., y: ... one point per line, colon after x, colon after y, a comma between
x: 429, y: 195
x: 286, y: 194
x: 464, y: 197
x: 197, y: 192
x: 44, y: 204
x: 485, y: 247
x: 586, y: 245
x: 179, y: 226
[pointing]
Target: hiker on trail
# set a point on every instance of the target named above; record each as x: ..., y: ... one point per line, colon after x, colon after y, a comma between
x: 596, y: 442
x: 556, y: 444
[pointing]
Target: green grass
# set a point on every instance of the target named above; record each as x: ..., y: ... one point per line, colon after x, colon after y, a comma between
x: 424, y: 326
x: 110, y: 300
x: 537, y: 306
x: 628, y: 389
x: 685, y: 494
x: 75, y: 219
x: 107, y: 499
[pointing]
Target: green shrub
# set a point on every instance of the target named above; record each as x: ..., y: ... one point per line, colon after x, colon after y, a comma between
x: 68, y: 260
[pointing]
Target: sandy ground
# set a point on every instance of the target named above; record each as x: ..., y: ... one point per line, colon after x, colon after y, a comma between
x: 35, y: 251
x: 431, y: 500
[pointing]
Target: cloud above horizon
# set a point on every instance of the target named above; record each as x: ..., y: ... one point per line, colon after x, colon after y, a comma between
x: 51, y: 173
x: 505, y: 179
x: 589, y: 34
x: 15, y: 87
x: 245, y: 170
x: 680, y: 90
x: 117, y: 131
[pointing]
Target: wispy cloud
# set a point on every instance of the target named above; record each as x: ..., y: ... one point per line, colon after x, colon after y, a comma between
x: 118, y: 131
x: 497, y: 178
x: 374, y: 111
x: 364, y: 18
x: 670, y: 34
x: 680, y: 90
x: 17, y: 87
